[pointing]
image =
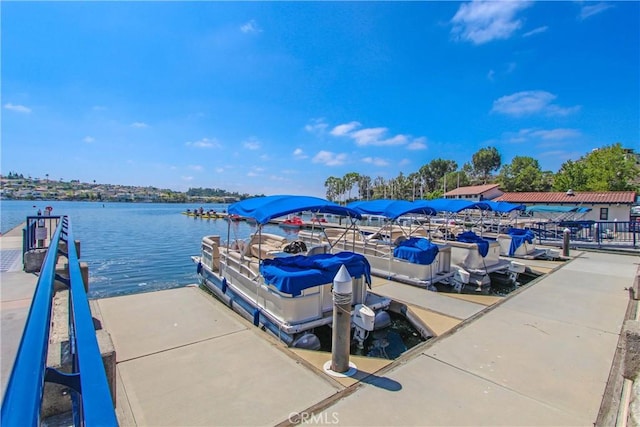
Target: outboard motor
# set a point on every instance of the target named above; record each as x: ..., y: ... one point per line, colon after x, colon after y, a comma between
x: 515, y: 268
x: 364, y: 321
x: 475, y: 282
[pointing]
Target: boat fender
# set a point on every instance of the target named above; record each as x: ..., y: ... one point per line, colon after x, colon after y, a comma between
x: 256, y: 317
x: 224, y: 285
x: 199, y: 268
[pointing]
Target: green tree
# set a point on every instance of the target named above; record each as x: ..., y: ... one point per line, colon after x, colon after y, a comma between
x: 332, y: 186
x: 414, y: 181
x: 610, y: 168
x: 571, y: 176
x: 432, y: 174
x: 456, y: 179
x: 522, y: 174
x: 485, y: 161
x: 379, y: 188
x: 365, y: 189
x: 349, y: 180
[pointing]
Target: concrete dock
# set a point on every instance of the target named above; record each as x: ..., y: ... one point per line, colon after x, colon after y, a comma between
x: 541, y: 356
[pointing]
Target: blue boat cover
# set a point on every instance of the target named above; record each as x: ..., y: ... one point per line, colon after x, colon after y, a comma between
x: 391, y: 209
x: 455, y: 205
x: 471, y: 237
x: 504, y: 207
x: 264, y: 209
x: 291, y: 275
x: 558, y: 209
x: 518, y: 237
x: 417, y: 250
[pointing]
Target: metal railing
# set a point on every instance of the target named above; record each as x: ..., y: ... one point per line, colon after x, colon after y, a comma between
x: 90, y: 395
x: 38, y: 232
x: 601, y: 234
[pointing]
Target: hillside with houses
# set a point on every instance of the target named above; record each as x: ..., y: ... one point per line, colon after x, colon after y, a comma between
x: 17, y: 187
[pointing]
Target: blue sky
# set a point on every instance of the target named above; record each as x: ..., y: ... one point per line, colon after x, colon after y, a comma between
x: 275, y: 97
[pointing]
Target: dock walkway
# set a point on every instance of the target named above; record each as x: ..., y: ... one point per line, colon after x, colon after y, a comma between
x: 541, y: 356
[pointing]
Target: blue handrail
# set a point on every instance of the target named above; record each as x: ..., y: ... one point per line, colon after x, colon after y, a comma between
x: 91, y: 397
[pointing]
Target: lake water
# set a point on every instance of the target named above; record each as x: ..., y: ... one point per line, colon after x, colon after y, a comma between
x: 133, y: 247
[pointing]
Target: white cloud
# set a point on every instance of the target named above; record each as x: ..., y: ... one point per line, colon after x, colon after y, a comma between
x: 344, y: 129
x: 545, y: 135
x: 535, y: 31
x: 368, y: 136
x: 490, y: 74
x: 299, y: 154
x: 483, y: 21
x: 530, y: 102
x: 196, y: 168
x: 329, y: 159
x: 418, y: 144
x: 252, y: 144
x: 187, y: 178
x: 219, y: 170
x: 317, y: 126
x: 375, y: 161
x: 204, y: 143
x: 139, y: 125
x: 557, y: 134
x: 17, y: 108
x: 88, y: 139
x: 250, y: 27
x: 405, y: 162
x: 375, y: 136
x: 592, y: 9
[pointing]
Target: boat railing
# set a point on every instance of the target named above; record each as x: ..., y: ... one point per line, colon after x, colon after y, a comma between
x: 590, y: 233
x: 91, y: 399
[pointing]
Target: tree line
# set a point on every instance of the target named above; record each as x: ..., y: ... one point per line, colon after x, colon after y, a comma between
x: 609, y: 168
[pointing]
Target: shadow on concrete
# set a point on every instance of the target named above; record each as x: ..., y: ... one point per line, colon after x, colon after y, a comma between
x: 377, y: 381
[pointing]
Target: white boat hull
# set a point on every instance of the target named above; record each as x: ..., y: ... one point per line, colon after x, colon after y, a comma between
x: 383, y: 263
x: 525, y: 250
x: 235, y: 278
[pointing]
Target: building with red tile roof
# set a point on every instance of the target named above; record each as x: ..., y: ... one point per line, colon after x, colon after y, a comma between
x: 604, y: 205
x: 475, y: 192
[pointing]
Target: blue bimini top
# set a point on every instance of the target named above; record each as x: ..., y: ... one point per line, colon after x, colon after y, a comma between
x: 417, y: 250
x: 471, y: 237
x: 291, y: 275
x: 391, y: 209
x: 264, y: 209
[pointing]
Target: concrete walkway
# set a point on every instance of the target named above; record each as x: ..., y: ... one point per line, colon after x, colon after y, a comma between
x: 16, y: 292
x: 540, y: 357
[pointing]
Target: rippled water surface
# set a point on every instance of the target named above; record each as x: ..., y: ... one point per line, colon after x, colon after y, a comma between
x: 133, y: 247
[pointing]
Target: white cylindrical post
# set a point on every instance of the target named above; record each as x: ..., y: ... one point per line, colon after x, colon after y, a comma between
x: 341, y: 337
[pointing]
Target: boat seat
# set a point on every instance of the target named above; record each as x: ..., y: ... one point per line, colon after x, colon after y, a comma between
x: 263, y: 245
